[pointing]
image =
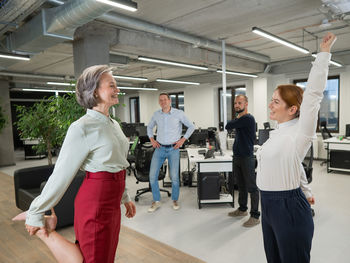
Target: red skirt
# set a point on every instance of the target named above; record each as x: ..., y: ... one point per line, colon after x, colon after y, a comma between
x: 97, y: 215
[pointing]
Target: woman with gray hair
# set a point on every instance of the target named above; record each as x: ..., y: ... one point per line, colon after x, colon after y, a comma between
x: 96, y: 144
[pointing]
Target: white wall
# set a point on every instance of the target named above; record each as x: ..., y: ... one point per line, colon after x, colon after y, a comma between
x: 260, y: 100
x: 123, y: 110
x: 199, y: 105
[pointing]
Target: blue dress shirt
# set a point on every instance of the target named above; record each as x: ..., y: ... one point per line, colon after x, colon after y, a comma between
x: 169, y: 126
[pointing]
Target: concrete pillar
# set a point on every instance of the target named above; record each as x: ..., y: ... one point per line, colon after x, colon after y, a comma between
x: 91, y: 46
x: 7, y: 152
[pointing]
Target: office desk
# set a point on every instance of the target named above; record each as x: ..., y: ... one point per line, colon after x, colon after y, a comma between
x: 206, y: 167
x: 338, y: 154
x: 29, y: 152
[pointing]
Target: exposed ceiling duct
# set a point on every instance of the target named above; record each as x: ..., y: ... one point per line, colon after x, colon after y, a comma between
x: 15, y: 11
x: 52, y: 26
x: 140, y: 25
x: 55, y: 25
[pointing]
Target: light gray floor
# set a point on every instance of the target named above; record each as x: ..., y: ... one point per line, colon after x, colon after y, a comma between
x: 211, y: 235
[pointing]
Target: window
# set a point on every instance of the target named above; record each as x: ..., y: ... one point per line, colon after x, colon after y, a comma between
x: 134, y: 109
x: 177, y: 100
x: 329, y: 110
x: 231, y: 92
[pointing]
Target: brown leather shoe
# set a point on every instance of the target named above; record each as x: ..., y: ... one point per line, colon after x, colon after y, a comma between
x: 237, y: 213
x: 252, y: 221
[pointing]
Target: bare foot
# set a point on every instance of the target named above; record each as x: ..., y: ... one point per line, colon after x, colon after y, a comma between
x: 20, y: 217
x: 50, y: 221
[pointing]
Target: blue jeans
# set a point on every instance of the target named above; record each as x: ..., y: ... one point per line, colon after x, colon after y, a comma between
x: 158, y: 158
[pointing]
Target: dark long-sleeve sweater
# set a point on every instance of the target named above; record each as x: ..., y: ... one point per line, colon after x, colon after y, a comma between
x: 245, y: 135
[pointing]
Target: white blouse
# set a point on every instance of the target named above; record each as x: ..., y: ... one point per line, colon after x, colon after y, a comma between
x: 93, y: 143
x: 280, y: 157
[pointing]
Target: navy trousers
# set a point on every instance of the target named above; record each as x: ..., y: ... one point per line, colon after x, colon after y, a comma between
x: 287, y: 226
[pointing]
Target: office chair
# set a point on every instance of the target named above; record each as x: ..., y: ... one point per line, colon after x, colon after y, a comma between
x: 143, y: 154
x: 325, y: 135
x: 347, y: 130
x: 307, y: 164
x: 131, y: 158
x: 267, y: 126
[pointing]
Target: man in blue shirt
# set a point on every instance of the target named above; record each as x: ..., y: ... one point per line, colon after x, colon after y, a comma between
x: 169, y: 127
x: 244, y: 161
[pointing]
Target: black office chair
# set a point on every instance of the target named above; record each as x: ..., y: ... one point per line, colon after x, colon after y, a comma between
x: 143, y: 154
x: 307, y: 164
x: 267, y: 126
x: 131, y: 157
x: 325, y: 135
x: 324, y: 130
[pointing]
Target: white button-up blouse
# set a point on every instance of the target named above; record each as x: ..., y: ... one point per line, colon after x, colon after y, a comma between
x: 280, y: 157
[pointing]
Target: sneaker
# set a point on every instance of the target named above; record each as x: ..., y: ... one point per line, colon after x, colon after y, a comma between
x: 176, y: 205
x: 252, y: 221
x: 238, y: 213
x: 154, y: 207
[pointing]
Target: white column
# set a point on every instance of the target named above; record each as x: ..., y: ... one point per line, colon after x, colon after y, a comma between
x: 260, y: 101
x: 224, y: 81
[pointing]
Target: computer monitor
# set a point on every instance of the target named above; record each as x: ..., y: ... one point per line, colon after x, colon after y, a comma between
x: 263, y: 136
x: 347, y: 130
x: 129, y: 130
x: 199, y: 137
x: 141, y: 130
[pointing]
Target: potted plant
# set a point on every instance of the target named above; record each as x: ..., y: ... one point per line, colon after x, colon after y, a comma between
x: 48, y: 121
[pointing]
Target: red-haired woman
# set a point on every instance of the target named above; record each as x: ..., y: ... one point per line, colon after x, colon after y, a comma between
x: 287, y: 222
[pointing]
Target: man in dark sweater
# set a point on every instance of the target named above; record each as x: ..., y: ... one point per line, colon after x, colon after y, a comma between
x: 244, y: 161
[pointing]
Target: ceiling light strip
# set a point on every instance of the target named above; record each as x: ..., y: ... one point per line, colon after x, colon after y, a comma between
x: 137, y: 88
x: 130, y: 78
x: 172, y: 63
x: 330, y: 62
x: 279, y: 40
x: 49, y: 90
x: 238, y: 73
x: 60, y: 83
x: 126, y: 5
x: 178, y: 82
x: 14, y: 56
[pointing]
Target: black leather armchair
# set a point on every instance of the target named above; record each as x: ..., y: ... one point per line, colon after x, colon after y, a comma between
x: 29, y: 183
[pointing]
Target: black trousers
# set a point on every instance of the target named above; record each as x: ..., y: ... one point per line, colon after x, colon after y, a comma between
x: 244, y: 171
x: 287, y: 226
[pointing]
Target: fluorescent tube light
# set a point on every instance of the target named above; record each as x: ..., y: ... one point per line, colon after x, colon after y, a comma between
x: 60, y: 83
x: 330, y: 62
x: 172, y: 63
x: 54, y: 91
x: 126, y: 5
x: 279, y: 40
x: 238, y: 73
x: 14, y: 56
x: 177, y: 81
x: 49, y: 90
x: 130, y: 78
x: 136, y: 88
x: 241, y: 89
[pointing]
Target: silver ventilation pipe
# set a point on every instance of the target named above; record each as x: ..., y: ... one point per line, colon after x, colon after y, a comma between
x: 140, y: 25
